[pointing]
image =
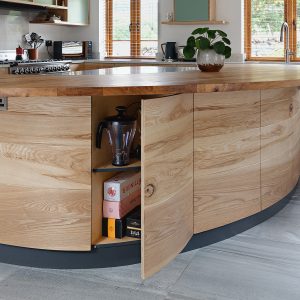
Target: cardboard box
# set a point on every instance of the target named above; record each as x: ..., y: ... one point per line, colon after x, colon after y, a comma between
x: 133, y: 219
x: 121, y: 186
x: 135, y: 233
x: 114, y: 228
x: 117, y: 210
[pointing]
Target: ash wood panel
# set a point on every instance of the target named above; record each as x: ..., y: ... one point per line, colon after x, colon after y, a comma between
x: 296, y: 137
x: 90, y: 66
x: 45, y: 179
x: 278, y: 144
x: 102, y: 107
x: 233, y: 77
x: 167, y: 164
x: 226, y: 158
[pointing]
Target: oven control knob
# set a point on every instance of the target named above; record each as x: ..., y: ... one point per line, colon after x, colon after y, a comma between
x: 21, y: 71
x: 32, y: 70
x: 27, y: 71
x: 59, y: 68
x: 16, y: 71
x: 37, y: 70
x: 47, y: 69
x: 66, y: 67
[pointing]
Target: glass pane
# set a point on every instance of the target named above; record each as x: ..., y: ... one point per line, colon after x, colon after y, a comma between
x: 121, y: 22
x: 267, y: 18
x: 149, y: 27
x: 121, y: 48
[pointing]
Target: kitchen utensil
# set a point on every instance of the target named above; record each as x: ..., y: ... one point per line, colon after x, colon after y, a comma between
x: 121, y: 130
x: 170, y: 50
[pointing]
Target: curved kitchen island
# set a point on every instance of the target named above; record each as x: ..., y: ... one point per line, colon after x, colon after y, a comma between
x: 220, y: 153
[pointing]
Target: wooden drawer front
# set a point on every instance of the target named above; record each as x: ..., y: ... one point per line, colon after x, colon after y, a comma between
x: 278, y: 140
x: 45, y: 178
x: 226, y: 158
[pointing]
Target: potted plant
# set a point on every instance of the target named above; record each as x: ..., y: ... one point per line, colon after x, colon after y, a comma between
x: 212, y: 46
x: 34, y: 41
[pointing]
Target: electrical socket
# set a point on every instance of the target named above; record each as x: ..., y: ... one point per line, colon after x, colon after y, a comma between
x: 3, y: 103
x: 48, y: 43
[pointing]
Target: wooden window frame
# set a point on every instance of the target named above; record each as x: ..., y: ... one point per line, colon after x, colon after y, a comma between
x: 134, y: 27
x: 290, y: 12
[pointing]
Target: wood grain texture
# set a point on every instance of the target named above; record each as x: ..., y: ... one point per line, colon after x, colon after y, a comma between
x: 226, y: 158
x: 233, y: 77
x: 102, y: 107
x: 296, y: 137
x: 278, y: 144
x: 45, y: 178
x: 167, y: 164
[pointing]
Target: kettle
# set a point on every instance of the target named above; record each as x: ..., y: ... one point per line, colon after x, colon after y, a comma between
x: 121, y: 130
x: 170, y: 51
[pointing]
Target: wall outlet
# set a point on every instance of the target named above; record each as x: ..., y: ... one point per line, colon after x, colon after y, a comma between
x: 3, y: 103
x: 48, y: 43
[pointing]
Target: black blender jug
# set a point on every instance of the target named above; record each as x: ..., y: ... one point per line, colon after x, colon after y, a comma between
x: 121, y: 130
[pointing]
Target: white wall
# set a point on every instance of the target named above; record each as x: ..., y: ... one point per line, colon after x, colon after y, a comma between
x: 70, y: 33
x: 229, y: 10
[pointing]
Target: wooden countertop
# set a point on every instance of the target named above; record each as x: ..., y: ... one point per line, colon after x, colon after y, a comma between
x: 233, y: 77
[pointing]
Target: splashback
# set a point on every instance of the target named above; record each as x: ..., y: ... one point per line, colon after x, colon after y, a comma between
x: 13, y: 27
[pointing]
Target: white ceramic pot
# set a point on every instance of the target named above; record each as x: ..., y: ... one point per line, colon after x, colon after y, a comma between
x: 210, y: 61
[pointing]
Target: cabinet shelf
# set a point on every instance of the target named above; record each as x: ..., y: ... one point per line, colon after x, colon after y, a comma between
x: 22, y: 2
x: 221, y: 22
x: 108, y: 241
x: 135, y: 165
x: 62, y: 23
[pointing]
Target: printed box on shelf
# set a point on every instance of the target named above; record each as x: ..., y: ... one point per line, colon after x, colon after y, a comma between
x: 121, y: 186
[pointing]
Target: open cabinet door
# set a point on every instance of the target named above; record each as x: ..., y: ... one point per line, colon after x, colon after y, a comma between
x: 167, y: 179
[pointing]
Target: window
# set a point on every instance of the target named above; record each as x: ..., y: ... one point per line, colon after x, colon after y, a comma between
x: 263, y: 20
x: 131, y: 28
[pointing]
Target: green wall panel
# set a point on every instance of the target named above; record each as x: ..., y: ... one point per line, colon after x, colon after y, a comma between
x: 191, y: 10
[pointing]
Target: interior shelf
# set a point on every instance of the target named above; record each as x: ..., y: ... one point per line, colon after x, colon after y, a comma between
x: 63, y: 23
x: 36, y: 4
x: 215, y: 22
x: 109, y: 241
x: 135, y: 165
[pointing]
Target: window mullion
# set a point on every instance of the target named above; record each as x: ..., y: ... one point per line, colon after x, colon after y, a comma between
x: 135, y: 33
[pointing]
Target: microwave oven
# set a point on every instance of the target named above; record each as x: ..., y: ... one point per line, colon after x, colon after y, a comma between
x: 72, y: 50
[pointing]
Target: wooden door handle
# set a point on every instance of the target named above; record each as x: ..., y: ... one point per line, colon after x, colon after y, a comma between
x: 291, y: 108
x: 149, y: 190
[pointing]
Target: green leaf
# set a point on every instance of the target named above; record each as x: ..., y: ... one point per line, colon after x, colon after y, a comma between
x: 222, y: 33
x: 219, y: 47
x: 191, y: 41
x: 211, y: 34
x: 202, y: 43
x: 226, y: 40
x: 227, y: 52
x: 189, y: 52
x: 200, y: 31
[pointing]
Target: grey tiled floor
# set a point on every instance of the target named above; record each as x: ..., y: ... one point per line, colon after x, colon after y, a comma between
x: 261, y: 263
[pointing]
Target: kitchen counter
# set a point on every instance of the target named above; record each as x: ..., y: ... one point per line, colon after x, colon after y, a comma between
x: 220, y: 153
x: 162, y: 80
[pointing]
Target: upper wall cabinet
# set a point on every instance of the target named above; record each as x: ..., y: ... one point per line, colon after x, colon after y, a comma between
x: 58, y: 12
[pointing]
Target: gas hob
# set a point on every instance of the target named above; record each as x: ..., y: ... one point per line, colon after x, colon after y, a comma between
x: 38, y: 67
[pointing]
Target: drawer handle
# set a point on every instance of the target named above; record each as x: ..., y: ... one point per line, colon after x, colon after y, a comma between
x: 291, y: 108
x: 149, y: 190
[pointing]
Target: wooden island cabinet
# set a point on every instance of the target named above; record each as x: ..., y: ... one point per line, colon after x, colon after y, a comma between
x: 213, y: 155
